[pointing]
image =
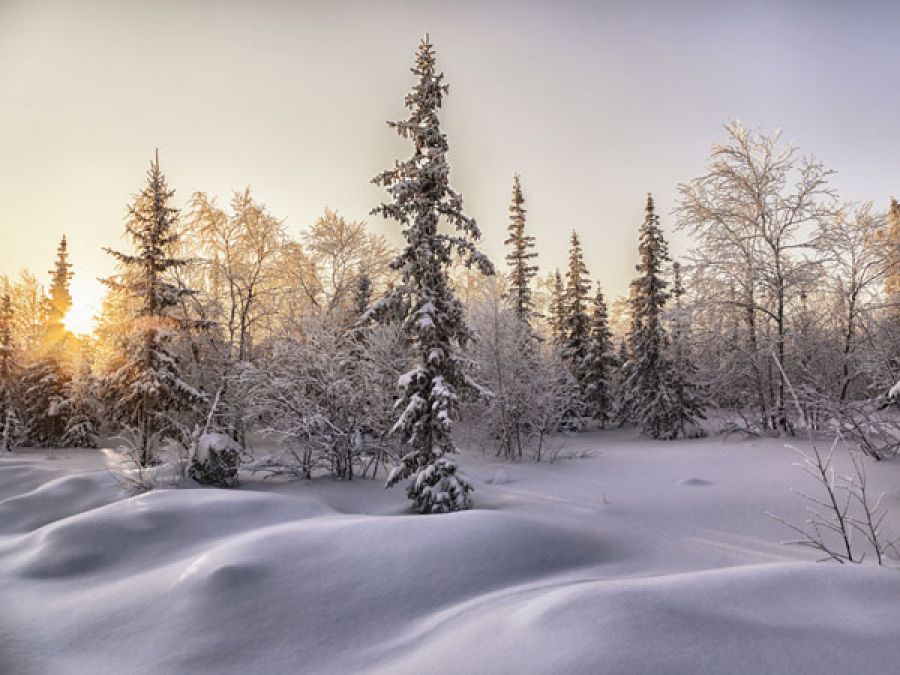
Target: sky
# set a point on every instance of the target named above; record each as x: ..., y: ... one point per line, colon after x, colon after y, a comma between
x: 593, y: 103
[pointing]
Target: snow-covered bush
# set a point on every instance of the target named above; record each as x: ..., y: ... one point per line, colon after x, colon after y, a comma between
x: 531, y: 392
x: 324, y: 399
x: 215, y: 459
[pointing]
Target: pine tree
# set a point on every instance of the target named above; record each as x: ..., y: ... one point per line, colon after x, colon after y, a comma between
x: 556, y: 316
x: 521, y: 253
x: 577, y: 326
x: 598, y: 368
x: 688, y: 406
x: 60, y: 299
x: 650, y: 396
x: 362, y: 295
x: 433, y: 321
x: 147, y: 381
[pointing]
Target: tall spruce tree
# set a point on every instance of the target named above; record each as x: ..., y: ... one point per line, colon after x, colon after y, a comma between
x: 60, y: 298
x: 147, y: 382
x: 433, y: 319
x: 687, y: 406
x: 521, y: 270
x: 598, y: 367
x: 649, y: 397
x: 577, y: 326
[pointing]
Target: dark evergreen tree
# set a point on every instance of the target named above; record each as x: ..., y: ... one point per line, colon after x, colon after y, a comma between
x: 598, y: 367
x: 649, y: 392
x: 687, y: 406
x: 577, y: 326
x: 147, y: 383
x: 59, y: 301
x: 362, y: 295
x: 433, y: 320
x: 556, y: 316
x: 521, y: 270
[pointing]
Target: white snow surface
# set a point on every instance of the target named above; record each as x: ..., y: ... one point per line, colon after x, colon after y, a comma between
x: 638, y: 557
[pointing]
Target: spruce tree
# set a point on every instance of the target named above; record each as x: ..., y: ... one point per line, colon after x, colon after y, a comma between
x: 60, y: 298
x: 147, y: 381
x: 577, y: 326
x: 649, y: 396
x: 556, y: 316
x: 46, y: 374
x: 687, y: 406
x: 598, y: 367
x: 433, y: 319
x: 522, y: 271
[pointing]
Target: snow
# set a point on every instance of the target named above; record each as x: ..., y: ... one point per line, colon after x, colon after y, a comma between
x: 634, y: 557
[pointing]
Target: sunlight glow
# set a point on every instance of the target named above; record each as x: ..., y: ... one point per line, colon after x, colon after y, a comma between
x: 87, y: 297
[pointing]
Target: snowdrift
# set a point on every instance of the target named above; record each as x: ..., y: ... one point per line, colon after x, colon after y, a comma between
x: 245, y: 581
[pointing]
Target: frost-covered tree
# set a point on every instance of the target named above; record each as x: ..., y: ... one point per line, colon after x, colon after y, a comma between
x: 751, y: 213
x: 598, y: 367
x: 520, y: 256
x: 80, y: 408
x: 532, y: 392
x: 577, y: 326
x: 649, y: 392
x: 318, y: 396
x: 146, y: 384
x: 434, y: 323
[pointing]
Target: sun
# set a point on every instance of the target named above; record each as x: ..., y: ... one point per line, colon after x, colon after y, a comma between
x: 87, y: 298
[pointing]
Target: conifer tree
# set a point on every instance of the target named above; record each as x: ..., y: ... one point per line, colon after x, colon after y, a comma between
x: 556, y: 316
x: 60, y: 298
x: 687, y: 405
x: 362, y: 295
x: 649, y: 396
x: 433, y: 319
x: 522, y: 271
x: 147, y: 381
x: 598, y: 367
x: 577, y: 324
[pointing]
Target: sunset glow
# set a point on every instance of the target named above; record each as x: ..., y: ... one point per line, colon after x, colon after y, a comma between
x: 87, y: 297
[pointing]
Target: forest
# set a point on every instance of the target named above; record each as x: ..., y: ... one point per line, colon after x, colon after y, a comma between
x: 223, y: 343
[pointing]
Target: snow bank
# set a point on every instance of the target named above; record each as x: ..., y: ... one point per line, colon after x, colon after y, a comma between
x: 548, y: 577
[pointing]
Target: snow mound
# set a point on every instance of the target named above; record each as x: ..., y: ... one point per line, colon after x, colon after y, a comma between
x: 784, y: 618
x: 213, y: 581
x: 694, y: 482
x: 499, y: 478
x: 55, y: 499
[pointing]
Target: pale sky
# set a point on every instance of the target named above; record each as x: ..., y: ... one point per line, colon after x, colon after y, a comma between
x: 593, y: 103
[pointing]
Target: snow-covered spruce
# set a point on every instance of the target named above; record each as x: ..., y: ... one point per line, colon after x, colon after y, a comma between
x: 145, y: 385
x: 432, y: 317
x: 652, y: 397
x: 521, y: 269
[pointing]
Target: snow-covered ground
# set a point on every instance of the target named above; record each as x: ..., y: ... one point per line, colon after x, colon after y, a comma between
x: 645, y: 557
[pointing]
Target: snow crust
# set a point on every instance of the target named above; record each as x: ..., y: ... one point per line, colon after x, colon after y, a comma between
x: 608, y: 564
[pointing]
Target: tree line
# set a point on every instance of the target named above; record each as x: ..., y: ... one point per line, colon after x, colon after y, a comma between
x: 356, y: 357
